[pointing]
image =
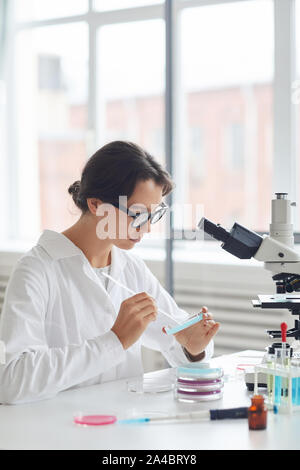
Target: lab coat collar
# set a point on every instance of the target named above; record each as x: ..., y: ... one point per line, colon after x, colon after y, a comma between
x: 58, y: 246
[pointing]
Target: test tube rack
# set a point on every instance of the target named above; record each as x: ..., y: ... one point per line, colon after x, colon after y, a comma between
x: 283, y: 386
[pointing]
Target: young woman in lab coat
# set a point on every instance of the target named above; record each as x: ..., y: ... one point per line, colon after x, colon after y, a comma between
x: 63, y: 325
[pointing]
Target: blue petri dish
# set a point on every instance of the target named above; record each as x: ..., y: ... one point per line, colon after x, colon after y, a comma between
x: 199, y: 372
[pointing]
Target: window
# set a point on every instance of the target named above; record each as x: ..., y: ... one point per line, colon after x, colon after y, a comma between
x: 87, y: 72
x: 196, y: 155
x: 30, y: 10
x: 3, y: 168
x: 68, y: 99
x: 51, y: 100
x: 296, y: 94
x: 104, y: 5
x: 131, y: 63
x: 235, y: 146
x: 227, y: 83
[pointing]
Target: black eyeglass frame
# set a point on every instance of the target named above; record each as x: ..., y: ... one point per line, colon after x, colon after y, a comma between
x: 161, y: 207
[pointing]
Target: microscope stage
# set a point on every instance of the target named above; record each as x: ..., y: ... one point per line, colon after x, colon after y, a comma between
x: 289, y: 301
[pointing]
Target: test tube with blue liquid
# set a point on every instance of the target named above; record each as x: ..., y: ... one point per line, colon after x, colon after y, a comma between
x: 283, y: 376
x: 286, y: 390
x: 285, y: 361
x: 295, y: 384
x: 282, y: 361
x: 270, y: 378
x: 282, y: 386
x: 278, y: 378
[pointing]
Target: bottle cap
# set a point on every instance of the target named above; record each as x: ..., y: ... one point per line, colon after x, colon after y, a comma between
x: 257, y: 400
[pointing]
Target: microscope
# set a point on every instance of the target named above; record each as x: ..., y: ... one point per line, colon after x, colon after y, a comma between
x: 276, y: 251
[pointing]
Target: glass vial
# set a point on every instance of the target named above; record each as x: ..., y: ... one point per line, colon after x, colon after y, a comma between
x: 257, y: 413
x: 270, y: 361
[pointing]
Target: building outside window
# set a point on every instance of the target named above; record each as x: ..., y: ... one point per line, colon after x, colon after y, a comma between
x: 85, y: 73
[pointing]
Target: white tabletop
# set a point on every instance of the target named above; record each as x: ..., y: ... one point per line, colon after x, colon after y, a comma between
x: 49, y: 424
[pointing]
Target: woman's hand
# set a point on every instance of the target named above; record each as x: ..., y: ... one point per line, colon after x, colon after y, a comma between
x: 134, y: 316
x: 195, y: 338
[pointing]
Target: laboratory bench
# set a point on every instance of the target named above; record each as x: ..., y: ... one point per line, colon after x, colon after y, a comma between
x: 48, y: 424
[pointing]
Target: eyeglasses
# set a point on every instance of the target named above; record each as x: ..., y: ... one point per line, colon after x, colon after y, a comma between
x: 141, y: 218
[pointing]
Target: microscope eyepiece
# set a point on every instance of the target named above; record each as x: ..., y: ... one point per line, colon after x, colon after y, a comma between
x: 214, y: 230
x: 240, y: 241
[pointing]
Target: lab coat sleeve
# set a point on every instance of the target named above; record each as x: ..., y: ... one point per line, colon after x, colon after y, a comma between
x: 33, y: 370
x: 153, y: 337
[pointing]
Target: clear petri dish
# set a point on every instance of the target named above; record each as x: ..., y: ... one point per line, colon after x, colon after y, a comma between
x: 150, y: 385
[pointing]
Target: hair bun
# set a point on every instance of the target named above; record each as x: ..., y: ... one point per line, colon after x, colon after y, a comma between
x: 74, y: 188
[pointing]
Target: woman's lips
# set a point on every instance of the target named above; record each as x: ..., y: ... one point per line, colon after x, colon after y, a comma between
x: 135, y: 240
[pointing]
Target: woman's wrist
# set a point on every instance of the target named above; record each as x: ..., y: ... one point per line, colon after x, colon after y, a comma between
x: 193, y: 358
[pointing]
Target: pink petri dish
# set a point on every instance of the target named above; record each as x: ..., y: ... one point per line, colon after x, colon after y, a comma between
x: 94, y: 420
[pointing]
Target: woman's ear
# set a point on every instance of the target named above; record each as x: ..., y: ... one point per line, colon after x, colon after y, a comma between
x: 93, y: 204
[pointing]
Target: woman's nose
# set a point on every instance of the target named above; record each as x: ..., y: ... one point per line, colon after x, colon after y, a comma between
x: 146, y: 228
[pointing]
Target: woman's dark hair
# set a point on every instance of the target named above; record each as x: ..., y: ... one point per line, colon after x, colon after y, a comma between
x: 114, y: 170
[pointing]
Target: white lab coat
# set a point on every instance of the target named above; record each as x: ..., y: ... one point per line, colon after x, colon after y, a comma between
x: 57, y: 317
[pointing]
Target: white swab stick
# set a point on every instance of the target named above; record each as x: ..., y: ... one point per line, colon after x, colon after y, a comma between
x: 134, y: 293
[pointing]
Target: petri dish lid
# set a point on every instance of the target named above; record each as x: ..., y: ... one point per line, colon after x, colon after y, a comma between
x: 203, y: 371
x: 200, y: 388
x: 199, y: 393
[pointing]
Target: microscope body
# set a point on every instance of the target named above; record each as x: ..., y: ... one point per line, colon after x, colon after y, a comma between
x: 280, y: 258
x: 275, y: 250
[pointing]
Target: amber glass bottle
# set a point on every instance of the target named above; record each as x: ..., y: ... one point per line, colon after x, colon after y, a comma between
x: 257, y: 413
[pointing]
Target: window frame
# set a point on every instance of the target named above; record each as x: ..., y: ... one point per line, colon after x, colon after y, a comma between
x: 284, y: 118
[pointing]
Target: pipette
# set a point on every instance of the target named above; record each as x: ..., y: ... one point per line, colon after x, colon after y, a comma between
x: 284, y: 358
x: 171, y: 331
x: 230, y: 413
x: 283, y: 327
x: 134, y: 293
x: 100, y: 420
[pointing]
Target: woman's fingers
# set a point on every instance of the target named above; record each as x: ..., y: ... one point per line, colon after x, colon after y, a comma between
x: 145, y: 303
x: 207, y: 317
x: 144, y: 312
x: 212, y: 330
